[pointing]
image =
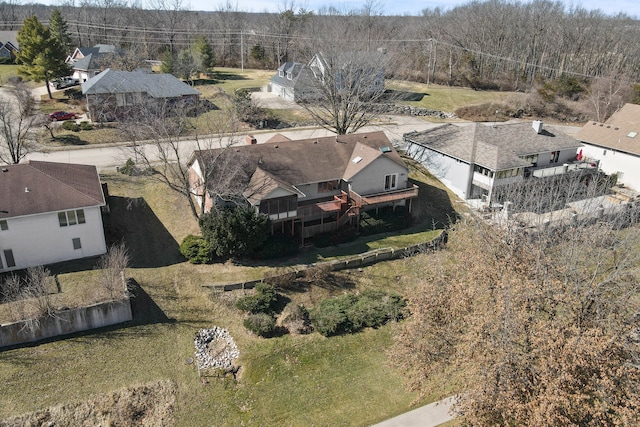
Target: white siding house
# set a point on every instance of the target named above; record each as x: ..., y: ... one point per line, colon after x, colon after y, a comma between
x: 615, y: 145
x: 474, y: 160
x: 49, y: 212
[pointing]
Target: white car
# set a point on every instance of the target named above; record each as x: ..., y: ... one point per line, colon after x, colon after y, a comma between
x: 64, y: 82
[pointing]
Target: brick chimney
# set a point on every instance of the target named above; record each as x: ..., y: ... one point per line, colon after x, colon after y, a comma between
x: 251, y: 140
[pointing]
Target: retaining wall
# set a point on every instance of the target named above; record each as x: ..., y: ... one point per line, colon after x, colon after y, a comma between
x: 66, y: 322
x: 356, y: 261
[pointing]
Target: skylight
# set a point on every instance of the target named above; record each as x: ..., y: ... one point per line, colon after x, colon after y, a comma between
x: 385, y: 149
x: 356, y: 159
x: 632, y: 134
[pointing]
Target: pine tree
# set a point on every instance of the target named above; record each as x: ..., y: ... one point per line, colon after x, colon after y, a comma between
x: 60, y: 30
x: 203, y: 53
x: 41, y: 56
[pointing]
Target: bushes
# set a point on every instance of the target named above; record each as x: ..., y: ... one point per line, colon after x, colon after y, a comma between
x: 70, y: 125
x: 235, y: 232
x: 295, y: 319
x: 263, y: 301
x: 350, y: 313
x: 261, y: 324
x: 277, y: 246
x: 196, y: 249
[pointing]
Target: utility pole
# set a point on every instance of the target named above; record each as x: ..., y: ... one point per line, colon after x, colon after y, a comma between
x: 241, y: 50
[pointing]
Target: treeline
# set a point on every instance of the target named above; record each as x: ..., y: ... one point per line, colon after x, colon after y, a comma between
x: 493, y: 44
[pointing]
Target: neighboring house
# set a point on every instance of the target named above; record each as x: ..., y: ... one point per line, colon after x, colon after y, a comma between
x: 49, y: 212
x: 295, y: 81
x: 474, y: 160
x: 115, y: 94
x: 290, y: 81
x: 615, y: 144
x: 316, y: 185
x: 87, y: 62
x: 9, y: 44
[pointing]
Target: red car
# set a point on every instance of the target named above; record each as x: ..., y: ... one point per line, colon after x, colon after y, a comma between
x: 62, y: 115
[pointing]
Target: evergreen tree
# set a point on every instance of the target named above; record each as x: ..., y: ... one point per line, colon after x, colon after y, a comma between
x: 168, y: 62
x: 235, y: 232
x: 60, y: 30
x: 202, y: 54
x: 41, y: 56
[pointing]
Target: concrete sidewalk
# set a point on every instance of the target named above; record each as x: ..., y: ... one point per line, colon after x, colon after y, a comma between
x: 429, y: 415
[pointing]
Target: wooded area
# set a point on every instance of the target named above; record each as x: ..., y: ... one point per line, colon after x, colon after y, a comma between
x: 492, y: 44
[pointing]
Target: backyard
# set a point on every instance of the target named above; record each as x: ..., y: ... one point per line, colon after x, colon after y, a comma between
x: 291, y: 380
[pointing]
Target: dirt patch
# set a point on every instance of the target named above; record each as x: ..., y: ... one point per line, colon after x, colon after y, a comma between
x: 147, y: 405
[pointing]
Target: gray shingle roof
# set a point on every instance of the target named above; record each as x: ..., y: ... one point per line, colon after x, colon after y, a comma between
x: 498, y: 147
x: 40, y: 187
x: 155, y: 85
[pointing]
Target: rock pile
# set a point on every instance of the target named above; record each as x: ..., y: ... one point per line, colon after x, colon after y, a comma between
x: 215, y: 348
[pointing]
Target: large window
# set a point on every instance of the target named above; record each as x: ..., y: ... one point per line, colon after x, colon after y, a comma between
x: 72, y: 217
x: 390, y: 181
x: 279, y: 205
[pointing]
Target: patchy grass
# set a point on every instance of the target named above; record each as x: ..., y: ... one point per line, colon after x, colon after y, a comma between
x: 444, y: 98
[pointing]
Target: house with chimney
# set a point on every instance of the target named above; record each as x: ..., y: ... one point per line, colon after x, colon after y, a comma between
x: 49, y: 212
x: 308, y: 186
x: 475, y: 160
x: 615, y: 145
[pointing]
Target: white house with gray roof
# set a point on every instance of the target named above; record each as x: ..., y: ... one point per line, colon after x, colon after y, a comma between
x: 472, y: 160
x: 615, y: 145
x: 113, y: 94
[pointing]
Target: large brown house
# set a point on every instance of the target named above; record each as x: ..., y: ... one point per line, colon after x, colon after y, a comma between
x: 308, y: 186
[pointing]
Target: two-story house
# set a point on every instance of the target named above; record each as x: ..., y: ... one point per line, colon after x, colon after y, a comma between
x: 474, y: 160
x: 49, y: 212
x: 315, y: 185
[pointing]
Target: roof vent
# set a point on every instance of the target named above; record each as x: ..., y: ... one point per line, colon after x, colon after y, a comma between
x: 275, y: 146
x: 336, y: 139
x: 26, y: 189
x: 537, y: 126
x: 5, y: 170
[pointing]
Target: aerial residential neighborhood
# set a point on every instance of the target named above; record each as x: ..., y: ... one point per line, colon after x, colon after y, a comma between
x: 316, y: 216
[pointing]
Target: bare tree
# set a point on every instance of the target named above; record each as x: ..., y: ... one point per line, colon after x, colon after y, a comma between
x: 18, y: 120
x: 534, y: 325
x: 112, y: 275
x: 343, y: 89
x: 159, y: 146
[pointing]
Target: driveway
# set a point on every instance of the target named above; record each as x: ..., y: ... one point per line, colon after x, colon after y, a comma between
x: 430, y: 415
x: 274, y: 102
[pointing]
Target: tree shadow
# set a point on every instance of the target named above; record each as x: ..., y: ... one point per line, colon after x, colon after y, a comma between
x: 433, y: 206
x: 223, y: 75
x: 69, y: 140
x: 402, y: 95
x: 149, y: 243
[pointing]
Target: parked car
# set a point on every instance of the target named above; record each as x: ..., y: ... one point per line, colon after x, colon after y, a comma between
x: 64, y: 82
x: 62, y: 115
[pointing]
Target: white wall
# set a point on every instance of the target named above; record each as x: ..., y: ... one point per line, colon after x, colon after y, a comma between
x: 371, y: 180
x: 39, y: 239
x: 614, y: 162
x: 453, y: 173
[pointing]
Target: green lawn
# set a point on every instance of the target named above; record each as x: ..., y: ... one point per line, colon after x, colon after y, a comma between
x: 445, y: 98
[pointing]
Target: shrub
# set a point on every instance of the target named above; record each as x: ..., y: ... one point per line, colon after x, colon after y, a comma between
x: 375, y: 308
x: 330, y: 318
x: 295, y: 319
x: 237, y: 231
x: 84, y: 125
x: 264, y: 300
x: 284, y: 277
x: 196, y: 249
x: 70, y: 125
x: 260, y: 324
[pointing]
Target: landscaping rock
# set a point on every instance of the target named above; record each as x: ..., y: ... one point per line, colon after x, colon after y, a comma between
x: 215, y: 349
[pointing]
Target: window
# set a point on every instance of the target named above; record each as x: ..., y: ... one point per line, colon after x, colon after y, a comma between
x: 8, y: 257
x: 3, y: 224
x: 555, y: 155
x: 390, y: 181
x: 72, y: 217
x: 280, y: 73
x: 76, y: 243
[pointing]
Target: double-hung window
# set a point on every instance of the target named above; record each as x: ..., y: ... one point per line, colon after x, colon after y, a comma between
x: 71, y: 217
x: 390, y: 181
